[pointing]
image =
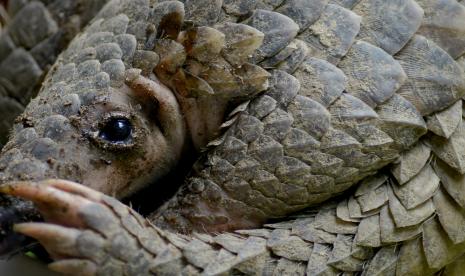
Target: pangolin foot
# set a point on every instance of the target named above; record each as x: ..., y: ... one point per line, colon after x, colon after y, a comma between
x: 86, y: 232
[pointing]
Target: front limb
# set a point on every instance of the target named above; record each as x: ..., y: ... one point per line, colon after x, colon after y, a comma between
x: 89, y: 233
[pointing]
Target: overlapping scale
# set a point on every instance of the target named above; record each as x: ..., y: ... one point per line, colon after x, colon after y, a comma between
x: 313, y: 130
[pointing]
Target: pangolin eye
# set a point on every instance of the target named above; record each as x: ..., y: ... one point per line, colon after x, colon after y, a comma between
x: 116, y: 130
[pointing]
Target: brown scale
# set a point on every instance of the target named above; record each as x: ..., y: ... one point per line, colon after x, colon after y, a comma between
x: 308, y: 134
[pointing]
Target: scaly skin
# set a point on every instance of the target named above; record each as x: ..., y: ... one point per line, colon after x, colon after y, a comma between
x: 37, y: 31
x: 332, y: 110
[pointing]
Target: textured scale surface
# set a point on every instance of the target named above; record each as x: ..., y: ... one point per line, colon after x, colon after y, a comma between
x: 36, y: 33
x: 333, y: 91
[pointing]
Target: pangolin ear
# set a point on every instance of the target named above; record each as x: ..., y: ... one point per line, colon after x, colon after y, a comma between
x: 163, y: 105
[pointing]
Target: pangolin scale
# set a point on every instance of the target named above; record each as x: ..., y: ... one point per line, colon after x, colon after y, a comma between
x: 328, y: 93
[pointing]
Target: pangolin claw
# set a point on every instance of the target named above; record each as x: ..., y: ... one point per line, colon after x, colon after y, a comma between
x: 57, y: 202
x: 72, y: 223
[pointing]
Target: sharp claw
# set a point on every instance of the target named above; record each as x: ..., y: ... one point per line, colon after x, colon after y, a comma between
x: 9, y: 188
x: 80, y: 220
x: 55, y: 205
x: 59, y: 241
x: 63, y: 185
x: 74, y: 188
x: 74, y: 267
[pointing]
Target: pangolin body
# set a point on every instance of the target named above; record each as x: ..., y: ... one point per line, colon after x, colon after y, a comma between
x: 331, y: 92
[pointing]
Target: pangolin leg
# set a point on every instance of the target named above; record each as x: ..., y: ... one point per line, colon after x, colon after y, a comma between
x: 82, y: 227
x: 89, y: 233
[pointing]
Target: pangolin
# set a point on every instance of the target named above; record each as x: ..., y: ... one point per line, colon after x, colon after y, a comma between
x: 330, y: 138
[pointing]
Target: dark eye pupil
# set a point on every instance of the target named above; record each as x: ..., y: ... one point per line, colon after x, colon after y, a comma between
x: 116, y: 130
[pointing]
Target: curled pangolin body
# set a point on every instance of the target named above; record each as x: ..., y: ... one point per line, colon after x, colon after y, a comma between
x: 334, y: 91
